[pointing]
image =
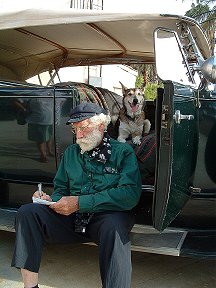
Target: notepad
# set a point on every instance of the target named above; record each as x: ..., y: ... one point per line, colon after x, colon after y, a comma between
x: 42, y: 201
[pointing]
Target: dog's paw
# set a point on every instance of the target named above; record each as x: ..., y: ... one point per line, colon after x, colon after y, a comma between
x: 121, y: 140
x: 147, y: 126
x: 136, y: 140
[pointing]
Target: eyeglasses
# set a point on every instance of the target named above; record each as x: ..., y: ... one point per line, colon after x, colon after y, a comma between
x: 82, y: 129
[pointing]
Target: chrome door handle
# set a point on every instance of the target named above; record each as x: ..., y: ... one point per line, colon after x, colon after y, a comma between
x: 178, y: 117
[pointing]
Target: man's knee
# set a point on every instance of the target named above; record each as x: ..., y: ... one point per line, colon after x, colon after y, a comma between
x: 28, y: 212
x: 27, y: 209
x: 24, y: 210
x: 117, y: 223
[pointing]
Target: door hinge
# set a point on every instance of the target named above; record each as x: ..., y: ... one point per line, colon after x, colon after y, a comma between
x: 194, y: 189
x: 164, y: 116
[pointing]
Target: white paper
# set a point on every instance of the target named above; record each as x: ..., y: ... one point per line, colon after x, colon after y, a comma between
x: 42, y: 201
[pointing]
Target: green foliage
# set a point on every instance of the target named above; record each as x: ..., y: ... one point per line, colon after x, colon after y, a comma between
x: 151, y: 90
x: 139, y: 81
x: 204, y: 11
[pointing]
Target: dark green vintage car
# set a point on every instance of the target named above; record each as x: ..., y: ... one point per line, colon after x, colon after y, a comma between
x: 176, y: 214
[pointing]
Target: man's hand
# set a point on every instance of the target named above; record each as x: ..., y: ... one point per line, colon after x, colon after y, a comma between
x: 44, y: 196
x: 66, y: 205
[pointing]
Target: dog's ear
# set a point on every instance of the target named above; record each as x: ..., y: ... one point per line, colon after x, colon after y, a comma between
x: 142, y: 90
x: 124, y: 88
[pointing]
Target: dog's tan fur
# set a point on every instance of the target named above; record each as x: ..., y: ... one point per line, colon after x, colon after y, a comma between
x: 132, y: 115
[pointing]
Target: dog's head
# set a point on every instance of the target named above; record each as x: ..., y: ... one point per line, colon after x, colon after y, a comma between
x: 133, y: 100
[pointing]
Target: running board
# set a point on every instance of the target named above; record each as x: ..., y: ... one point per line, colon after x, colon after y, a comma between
x: 148, y: 239
x: 143, y: 238
x: 7, y: 219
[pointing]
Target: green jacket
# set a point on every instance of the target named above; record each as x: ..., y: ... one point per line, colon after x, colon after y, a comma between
x: 115, y: 185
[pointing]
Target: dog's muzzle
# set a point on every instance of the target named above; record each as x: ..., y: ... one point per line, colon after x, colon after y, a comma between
x: 135, y: 101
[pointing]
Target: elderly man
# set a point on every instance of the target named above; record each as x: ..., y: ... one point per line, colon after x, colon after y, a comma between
x: 96, y: 186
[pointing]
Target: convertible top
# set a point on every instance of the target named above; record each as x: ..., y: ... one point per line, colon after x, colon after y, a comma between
x: 36, y: 40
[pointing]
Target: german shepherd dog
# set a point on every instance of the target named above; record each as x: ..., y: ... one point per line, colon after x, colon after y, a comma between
x: 132, y: 116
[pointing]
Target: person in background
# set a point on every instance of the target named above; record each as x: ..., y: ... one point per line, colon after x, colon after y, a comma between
x: 96, y: 186
x: 39, y: 116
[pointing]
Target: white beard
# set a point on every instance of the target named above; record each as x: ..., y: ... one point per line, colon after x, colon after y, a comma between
x: 90, y: 141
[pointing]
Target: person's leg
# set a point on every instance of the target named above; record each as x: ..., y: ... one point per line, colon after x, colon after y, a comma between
x: 36, y: 134
x: 42, y: 150
x: 36, y: 224
x: 30, y: 279
x: 110, y: 230
x: 49, y: 142
x: 49, y: 147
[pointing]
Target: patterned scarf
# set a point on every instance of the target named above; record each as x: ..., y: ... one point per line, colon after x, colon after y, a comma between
x: 102, y: 152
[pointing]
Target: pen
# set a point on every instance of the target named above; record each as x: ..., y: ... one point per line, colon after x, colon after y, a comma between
x: 40, y: 189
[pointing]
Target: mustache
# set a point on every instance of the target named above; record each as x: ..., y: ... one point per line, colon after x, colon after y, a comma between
x: 83, y: 140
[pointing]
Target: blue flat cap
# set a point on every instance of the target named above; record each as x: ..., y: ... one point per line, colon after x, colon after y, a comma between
x: 85, y: 110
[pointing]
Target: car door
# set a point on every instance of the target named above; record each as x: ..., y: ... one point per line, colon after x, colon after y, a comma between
x: 177, y: 152
x: 177, y: 129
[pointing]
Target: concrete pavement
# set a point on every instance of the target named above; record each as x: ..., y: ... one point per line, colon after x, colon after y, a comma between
x: 76, y: 266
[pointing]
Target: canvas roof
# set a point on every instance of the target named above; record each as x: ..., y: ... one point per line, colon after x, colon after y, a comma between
x: 36, y: 40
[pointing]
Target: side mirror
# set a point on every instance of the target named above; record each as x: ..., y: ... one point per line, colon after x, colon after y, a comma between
x: 208, y: 69
x: 171, y: 63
